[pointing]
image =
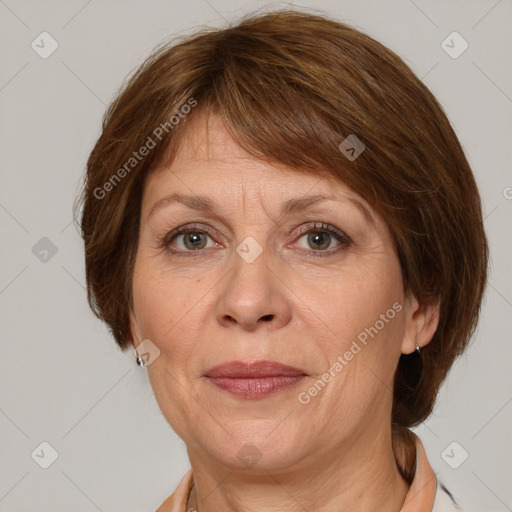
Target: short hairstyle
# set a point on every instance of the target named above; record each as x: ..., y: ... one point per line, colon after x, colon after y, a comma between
x: 290, y: 87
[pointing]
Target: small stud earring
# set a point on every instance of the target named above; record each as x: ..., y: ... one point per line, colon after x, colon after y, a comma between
x: 138, y: 359
x: 418, y: 349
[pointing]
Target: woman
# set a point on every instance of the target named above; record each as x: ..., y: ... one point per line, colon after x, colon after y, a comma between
x: 280, y: 220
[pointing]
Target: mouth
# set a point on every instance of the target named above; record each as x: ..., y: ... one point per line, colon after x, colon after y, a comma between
x: 258, y: 379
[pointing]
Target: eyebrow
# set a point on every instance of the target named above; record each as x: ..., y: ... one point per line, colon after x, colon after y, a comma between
x: 203, y: 203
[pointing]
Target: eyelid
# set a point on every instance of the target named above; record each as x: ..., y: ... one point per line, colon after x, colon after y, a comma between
x: 165, y: 240
x: 323, y: 226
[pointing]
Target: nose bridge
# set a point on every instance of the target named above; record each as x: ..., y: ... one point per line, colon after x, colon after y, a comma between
x: 251, y: 294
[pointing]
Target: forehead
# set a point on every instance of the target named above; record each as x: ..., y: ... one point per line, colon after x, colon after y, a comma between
x: 207, y: 157
x: 211, y: 168
x: 208, y: 150
x: 208, y: 138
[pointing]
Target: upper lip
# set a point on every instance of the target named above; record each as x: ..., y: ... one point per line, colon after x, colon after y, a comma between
x: 242, y: 369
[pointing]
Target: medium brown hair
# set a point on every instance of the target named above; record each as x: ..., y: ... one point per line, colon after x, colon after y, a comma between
x: 291, y: 86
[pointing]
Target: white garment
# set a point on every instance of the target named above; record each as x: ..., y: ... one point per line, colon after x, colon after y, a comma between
x: 443, y: 501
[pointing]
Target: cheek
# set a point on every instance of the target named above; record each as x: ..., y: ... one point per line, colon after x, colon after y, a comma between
x: 358, y: 300
x: 162, y: 303
x: 165, y: 307
x: 363, y: 315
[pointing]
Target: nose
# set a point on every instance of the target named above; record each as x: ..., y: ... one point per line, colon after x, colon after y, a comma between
x: 252, y: 296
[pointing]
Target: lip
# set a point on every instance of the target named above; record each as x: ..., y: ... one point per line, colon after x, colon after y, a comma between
x: 256, y: 379
x: 247, y: 370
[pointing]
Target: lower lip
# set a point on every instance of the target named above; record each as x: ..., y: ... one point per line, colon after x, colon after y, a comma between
x: 257, y: 387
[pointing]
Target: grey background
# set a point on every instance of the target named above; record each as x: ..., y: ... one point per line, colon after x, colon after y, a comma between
x: 62, y: 378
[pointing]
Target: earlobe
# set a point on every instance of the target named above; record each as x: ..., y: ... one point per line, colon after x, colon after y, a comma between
x: 422, y: 319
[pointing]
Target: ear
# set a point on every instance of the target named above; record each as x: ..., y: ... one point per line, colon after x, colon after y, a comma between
x: 421, y: 321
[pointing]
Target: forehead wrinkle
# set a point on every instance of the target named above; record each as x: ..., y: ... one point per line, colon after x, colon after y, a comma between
x: 266, y: 206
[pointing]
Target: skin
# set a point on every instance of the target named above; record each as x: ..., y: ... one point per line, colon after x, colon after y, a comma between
x: 207, y: 306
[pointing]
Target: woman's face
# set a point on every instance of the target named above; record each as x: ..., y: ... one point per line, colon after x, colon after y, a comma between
x: 277, y: 266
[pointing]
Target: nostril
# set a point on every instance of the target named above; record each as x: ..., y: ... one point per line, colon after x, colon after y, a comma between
x: 267, y: 318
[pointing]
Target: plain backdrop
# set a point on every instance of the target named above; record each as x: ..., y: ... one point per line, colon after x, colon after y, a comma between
x: 69, y: 398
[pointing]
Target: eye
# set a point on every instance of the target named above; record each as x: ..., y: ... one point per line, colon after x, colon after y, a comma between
x: 321, y: 237
x: 316, y: 239
x: 193, y: 240
x: 188, y: 238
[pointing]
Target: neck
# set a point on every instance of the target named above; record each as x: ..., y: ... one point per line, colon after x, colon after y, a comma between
x: 355, y: 480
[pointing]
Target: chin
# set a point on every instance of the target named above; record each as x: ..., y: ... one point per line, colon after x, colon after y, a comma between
x: 255, y: 445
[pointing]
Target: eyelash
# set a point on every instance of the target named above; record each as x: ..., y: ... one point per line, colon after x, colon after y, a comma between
x: 319, y: 227
x: 315, y: 227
